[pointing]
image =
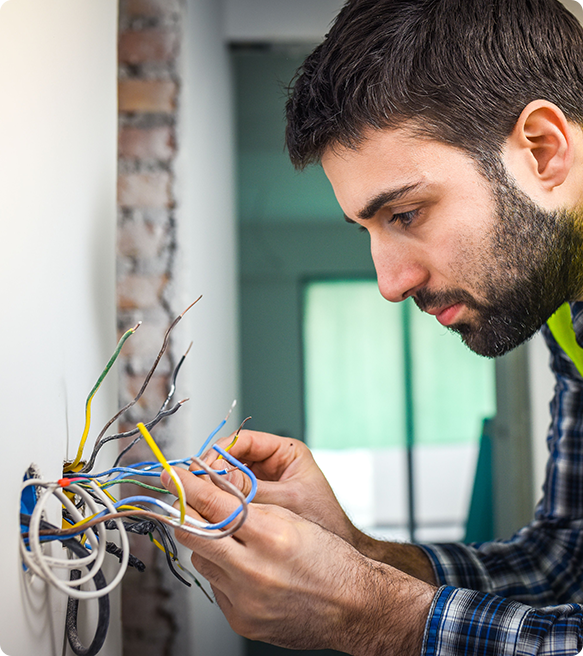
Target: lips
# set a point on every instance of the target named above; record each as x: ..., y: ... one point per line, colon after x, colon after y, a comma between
x: 446, y: 315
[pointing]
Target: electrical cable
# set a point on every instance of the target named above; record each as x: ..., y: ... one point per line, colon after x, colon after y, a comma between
x: 125, y: 336
x: 162, y: 414
x: 211, y: 531
x: 102, y: 620
x: 217, y: 429
x: 150, y: 425
x: 88, y: 508
x: 72, y: 605
x: 177, y: 482
x: 174, y: 377
x: 42, y: 565
x: 149, y: 375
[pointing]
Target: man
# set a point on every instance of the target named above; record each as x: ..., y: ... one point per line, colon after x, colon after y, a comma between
x: 451, y: 131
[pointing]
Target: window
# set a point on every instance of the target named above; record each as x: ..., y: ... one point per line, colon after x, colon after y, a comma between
x: 394, y: 406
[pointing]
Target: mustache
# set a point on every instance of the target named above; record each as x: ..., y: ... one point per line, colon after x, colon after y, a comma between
x: 427, y: 299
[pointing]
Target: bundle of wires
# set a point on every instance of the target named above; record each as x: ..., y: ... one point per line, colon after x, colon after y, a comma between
x: 89, y: 509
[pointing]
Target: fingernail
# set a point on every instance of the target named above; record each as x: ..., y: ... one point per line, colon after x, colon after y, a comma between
x: 165, y: 478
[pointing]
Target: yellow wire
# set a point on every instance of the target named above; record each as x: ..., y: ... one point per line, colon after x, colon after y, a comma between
x: 162, y: 548
x: 90, y: 517
x: 162, y: 460
x: 234, y: 440
x: 73, y: 466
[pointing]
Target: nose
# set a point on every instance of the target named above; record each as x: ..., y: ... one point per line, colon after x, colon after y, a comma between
x: 399, y: 271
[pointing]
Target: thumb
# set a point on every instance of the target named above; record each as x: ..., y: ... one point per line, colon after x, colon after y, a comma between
x: 167, y: 482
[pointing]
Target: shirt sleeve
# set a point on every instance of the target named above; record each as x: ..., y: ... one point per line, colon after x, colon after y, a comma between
x: 542, y: 564
x: 468, y: 622
x: 522, y: 596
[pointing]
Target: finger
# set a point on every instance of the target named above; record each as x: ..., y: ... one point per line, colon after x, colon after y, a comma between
x: 269, y: 456
x: 265, y: 489
x: 212, y: 571
x: 205, y: 498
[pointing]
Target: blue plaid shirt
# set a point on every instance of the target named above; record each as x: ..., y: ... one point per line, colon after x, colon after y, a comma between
x: 523, y: 596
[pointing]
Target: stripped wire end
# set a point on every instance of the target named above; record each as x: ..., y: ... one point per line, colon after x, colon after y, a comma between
x: 188, y: 308
x: 236, y: 437
x: 217, y: 429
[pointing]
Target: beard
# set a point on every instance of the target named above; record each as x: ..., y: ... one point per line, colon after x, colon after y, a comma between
x: 531, y: 263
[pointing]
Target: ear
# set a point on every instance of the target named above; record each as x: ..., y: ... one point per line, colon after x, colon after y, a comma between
x: 540, y: 151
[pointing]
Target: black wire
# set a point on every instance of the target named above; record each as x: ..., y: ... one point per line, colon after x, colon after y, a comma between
x: 149, y: 526
x: 162, y: 414
x: 162, y: 409
x: 141, y: 527
x: 133, y: 561
x: 126, y: 449
x: 149, y: 375
x: 73, y: 604
x: 169, y: 559
x: 103, y: 616
x: 173, y: 381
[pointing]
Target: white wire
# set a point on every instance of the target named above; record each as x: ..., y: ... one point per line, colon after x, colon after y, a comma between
x: 31, y: 558
x: 38, y: 562
x: 46, y: 563
x: 77, y: 516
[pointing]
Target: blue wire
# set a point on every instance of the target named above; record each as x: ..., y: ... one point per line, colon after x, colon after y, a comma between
x: 127, y: 470
x: 210, y: 437
x: 240, y: 466
x: 144, y: 499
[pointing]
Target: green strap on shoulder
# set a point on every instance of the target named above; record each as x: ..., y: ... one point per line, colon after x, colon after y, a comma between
x: 561, y: 326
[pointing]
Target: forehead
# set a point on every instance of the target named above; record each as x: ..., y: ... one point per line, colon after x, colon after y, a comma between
x: 393, y: 159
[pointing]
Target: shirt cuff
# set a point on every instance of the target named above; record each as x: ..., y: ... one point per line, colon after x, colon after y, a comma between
x: 468, y: 622
x: 457, y: 565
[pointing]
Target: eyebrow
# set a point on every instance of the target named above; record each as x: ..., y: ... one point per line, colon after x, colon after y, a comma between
x: 382, y: 199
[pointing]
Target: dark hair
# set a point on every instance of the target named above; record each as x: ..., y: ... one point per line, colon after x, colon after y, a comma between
x: 461, y: 71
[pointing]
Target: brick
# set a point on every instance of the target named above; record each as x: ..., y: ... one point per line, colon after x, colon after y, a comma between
x: 154, y: 395
x: 147, y: 96
x: 150, y: 8
x: 144, y: 46
x: 144, y: 344
x: 142, y: 611
x: 134, y: 291
x: 144, y: 190
x: 140, y: 240
x: 140, y: 452
x: 147, y: 144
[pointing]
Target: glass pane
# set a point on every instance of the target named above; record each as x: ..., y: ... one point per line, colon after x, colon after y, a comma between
x: 353, y: 361
x: 453, y: 388
x: 453, y: 391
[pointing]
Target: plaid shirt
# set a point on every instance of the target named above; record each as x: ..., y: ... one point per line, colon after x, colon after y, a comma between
x: 523, y: 596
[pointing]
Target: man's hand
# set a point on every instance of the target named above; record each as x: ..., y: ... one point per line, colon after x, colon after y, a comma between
x: 284, y: 580
x: 288, y: 476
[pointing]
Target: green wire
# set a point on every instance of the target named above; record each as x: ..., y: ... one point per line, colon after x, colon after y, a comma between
x: 131, y: 480
x: 104, y: 373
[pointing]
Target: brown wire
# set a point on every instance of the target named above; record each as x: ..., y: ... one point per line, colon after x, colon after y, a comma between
x: 146, y: 379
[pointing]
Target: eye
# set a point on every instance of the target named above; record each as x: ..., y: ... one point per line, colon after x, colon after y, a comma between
x: 405, y: 218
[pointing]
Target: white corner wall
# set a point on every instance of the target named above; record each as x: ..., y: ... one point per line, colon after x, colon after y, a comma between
x: 57, y: 244
x: 208, y: 262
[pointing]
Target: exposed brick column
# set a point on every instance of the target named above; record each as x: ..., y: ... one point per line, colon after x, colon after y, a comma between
x: 149, y: 92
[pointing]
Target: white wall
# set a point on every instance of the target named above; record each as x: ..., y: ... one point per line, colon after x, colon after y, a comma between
x: 208, y: 253
x: 57, y: 221
x: 209, y: 266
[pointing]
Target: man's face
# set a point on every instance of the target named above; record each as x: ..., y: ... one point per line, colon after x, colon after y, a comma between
x: 476, y: 253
